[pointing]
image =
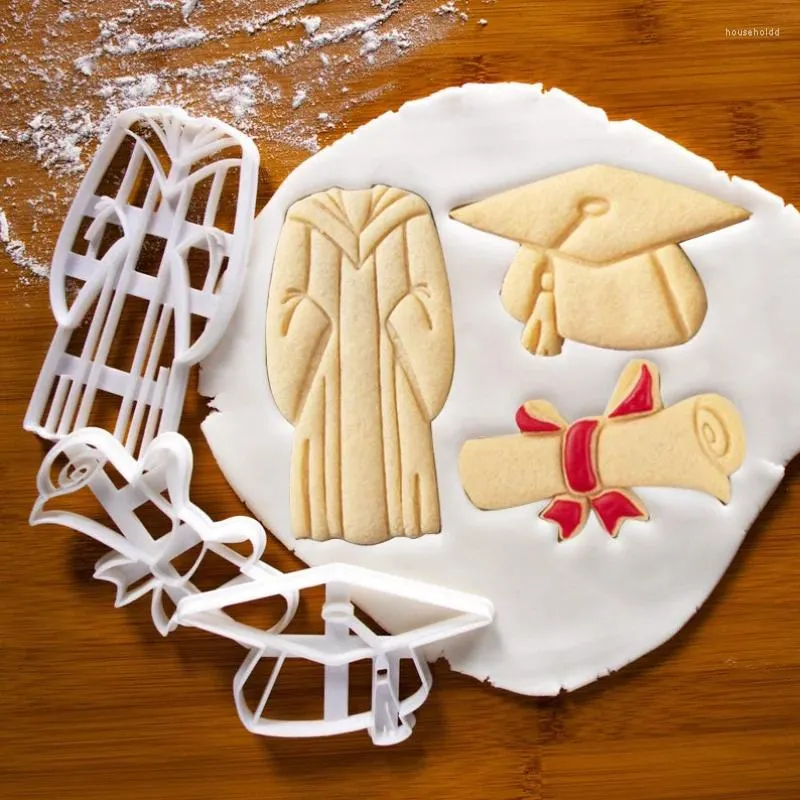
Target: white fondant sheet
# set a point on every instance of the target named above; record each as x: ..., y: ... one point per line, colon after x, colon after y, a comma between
x: 566, y: 612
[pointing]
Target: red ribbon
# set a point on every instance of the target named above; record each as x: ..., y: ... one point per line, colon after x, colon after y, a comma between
x: 585, y: 491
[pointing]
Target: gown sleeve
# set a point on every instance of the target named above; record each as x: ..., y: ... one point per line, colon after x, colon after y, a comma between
x: 421, y: 324
x: 298, y: 329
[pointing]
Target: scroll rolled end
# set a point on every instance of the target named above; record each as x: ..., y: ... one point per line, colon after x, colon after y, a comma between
x: 720, y: 432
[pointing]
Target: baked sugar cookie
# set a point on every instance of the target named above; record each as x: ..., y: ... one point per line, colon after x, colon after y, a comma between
x: 567, y: 611
x: 598, y: 261
x: 592, y: 463
x: 360, y: 360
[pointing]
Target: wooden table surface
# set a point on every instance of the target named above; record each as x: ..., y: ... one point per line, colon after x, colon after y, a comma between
x: 96, y: 705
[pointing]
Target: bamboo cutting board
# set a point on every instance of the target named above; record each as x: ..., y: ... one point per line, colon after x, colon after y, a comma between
x: 95, y: 705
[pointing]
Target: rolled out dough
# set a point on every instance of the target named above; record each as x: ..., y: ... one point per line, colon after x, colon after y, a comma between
x: 567, y: 612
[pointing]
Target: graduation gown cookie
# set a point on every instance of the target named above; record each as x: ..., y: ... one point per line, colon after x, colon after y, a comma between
x: 360, y: 359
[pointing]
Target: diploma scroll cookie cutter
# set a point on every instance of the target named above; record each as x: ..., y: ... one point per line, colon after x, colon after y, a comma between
x: 166, y: 199
x: 138, y: 563
x: 346, y: 639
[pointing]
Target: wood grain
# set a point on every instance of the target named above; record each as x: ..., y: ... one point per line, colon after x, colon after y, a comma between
x: 96, y: 705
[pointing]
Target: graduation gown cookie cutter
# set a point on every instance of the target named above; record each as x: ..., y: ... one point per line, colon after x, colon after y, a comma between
x: 599, y: 259
x: 360, y: 357
x: 177, y: 171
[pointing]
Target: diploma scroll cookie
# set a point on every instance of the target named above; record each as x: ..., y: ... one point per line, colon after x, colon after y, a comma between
x: 360, y: 355
x: 589, y: 465
x: 599, y: 261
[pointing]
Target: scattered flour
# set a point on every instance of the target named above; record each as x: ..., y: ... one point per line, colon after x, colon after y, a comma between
x: 452, y: 8
x: 311, y: 24
x: 187, y: 8
x: 67, y: 68
x: 300, y: 96
x: 16, y: 252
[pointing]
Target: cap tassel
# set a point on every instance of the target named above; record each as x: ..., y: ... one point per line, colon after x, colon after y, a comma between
x: 541, y: 336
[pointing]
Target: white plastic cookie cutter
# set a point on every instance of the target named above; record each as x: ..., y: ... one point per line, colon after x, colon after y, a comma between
x: 346, y: 640
x: 138, y: 562
x: 179, y: 167
x: 151, y: 392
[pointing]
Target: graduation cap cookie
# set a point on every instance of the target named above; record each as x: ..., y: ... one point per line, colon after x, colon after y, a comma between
x: 599, y: 261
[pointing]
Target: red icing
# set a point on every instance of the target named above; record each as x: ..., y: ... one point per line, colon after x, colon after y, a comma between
x: 528, y: 424
x: 567, y: 514
x: 578, y: 456
x: 613, y: 508
x: 640, y: 400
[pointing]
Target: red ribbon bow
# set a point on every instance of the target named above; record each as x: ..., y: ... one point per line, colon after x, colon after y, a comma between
x: 613, y: 506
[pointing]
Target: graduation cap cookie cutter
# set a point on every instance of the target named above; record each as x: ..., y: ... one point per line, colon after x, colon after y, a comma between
x: 346, y: 639
x: 165, y: 197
